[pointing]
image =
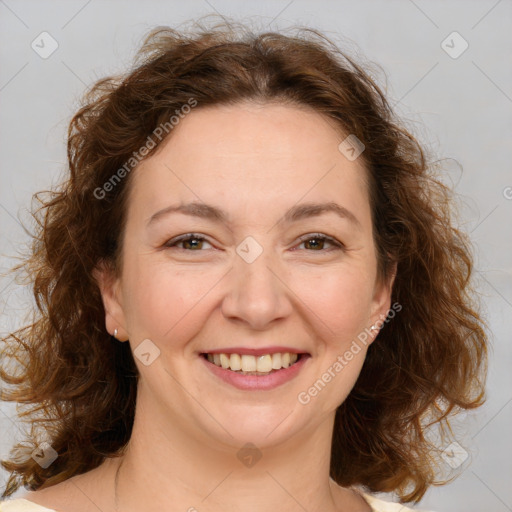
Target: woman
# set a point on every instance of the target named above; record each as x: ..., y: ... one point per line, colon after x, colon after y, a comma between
x: 249, y: 291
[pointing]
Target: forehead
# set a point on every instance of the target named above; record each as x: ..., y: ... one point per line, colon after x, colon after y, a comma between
x: 252, y: 154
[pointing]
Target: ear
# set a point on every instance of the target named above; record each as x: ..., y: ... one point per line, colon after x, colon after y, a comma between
x: 109, y: 286
x: 381, y: 302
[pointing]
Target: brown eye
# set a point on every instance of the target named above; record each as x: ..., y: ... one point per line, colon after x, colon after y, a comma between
x: 316, y: 242
x: 191, y: 242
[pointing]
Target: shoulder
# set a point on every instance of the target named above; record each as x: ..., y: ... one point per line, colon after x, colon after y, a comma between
x: 378, y: 505
x: 70, y: 494
x: 22, y: 505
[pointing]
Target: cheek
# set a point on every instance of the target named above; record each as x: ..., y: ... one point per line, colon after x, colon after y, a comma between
x: 163, y: 301
x: 341, y: 303
x: 340, y: 300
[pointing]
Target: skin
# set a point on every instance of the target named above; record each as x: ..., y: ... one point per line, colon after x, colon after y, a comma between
x: 255, y: 161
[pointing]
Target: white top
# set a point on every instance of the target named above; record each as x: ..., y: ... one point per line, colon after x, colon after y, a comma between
x: 22, y: 505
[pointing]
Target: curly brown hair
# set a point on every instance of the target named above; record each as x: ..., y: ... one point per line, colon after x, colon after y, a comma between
x: 76, y: 381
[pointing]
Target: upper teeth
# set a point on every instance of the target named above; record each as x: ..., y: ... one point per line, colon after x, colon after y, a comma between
x: 248, y: 363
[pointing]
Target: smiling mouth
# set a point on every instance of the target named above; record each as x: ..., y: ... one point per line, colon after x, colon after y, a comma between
x: 246, y: 364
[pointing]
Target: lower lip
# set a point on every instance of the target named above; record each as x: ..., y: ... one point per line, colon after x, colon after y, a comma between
x: 257, y: 382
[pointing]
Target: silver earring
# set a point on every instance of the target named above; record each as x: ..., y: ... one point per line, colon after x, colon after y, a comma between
x: 115, y: 333
x: 373, y: 328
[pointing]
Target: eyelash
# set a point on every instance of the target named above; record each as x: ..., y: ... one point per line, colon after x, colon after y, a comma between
x: 311, y: 236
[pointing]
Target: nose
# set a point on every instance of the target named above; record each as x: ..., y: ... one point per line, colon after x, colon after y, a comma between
x: 257, y: 292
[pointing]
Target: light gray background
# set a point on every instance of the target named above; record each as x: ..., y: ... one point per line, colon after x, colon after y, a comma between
x: 460, y: 107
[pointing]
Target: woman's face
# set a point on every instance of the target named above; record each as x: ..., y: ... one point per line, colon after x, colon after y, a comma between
x: 255, y: 277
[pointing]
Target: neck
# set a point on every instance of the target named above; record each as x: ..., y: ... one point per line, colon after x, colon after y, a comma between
x: 163, y: 465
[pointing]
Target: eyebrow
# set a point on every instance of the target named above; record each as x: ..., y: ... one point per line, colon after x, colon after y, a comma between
x: 295, y: 213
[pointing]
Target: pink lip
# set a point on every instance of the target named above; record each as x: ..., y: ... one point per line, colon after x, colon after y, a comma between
x: 255, y: 351
x: 255, y: 382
